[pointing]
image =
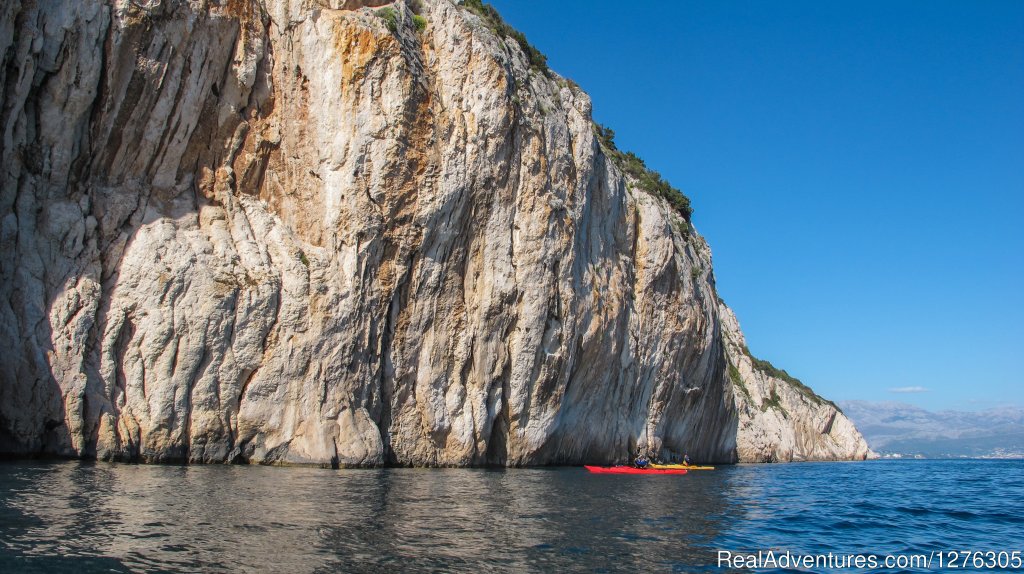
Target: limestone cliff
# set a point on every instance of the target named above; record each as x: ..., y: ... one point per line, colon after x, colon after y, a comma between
x: 316, y: 232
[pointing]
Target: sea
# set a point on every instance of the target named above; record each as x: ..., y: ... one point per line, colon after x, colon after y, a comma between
x: 84, y: 517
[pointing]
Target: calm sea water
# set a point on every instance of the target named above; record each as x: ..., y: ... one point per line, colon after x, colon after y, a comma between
x: 81, y: 517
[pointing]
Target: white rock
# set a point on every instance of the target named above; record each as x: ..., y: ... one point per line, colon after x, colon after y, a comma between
x: 275, y: 232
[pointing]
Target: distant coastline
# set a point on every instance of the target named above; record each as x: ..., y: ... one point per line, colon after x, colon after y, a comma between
x: 901, y: 431
x: 914, y: 456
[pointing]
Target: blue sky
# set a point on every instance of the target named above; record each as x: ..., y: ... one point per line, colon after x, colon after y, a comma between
x: 857, y: 167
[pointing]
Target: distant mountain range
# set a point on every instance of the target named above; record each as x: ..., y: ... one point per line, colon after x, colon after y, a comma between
x: 893, y: 428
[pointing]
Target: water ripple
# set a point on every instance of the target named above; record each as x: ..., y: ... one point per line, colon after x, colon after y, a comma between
x: 77, y: 517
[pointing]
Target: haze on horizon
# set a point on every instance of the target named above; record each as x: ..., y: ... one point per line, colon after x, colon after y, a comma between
x: 857, y: 167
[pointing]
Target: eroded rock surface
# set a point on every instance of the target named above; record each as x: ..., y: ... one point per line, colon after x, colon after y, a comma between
x: 296, y: 231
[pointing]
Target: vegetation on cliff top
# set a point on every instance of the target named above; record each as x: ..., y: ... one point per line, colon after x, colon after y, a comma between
x: 645, y: 177
x: 771, y: 370
x: 490, y: 16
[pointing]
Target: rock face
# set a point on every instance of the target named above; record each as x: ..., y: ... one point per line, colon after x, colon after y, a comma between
x: 780, y: 418
x: 312, y: 232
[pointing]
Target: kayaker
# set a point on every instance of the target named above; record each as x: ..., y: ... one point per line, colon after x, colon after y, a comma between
x: 641, y: 461
x: 686, y: 459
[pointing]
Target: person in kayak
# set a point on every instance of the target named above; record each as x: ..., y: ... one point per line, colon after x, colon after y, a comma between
x: 686, y: 459
x: 641, y: 461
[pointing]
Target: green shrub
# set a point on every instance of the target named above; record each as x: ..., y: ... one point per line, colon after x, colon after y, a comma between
x: 685, y: 229
x: 537, y: 58
x: 493, y: 20
x: 567, y: 83
x: 605, y: 135
x: 390, y: 18
x: 304, y: 259
x: 774, y: 402
x: 771, y: 370
x: 737, y: 380
x: 646, y: 178
x: 420, y: 22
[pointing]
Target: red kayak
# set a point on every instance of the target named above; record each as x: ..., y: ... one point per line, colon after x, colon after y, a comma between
x: 632, y: 470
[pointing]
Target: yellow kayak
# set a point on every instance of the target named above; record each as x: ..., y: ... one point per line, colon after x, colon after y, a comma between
x: 676, y: 466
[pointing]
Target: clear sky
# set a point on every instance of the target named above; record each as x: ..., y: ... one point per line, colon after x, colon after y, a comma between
x: 857, y: 167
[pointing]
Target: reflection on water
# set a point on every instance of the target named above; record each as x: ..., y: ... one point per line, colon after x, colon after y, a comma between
x: 111, y: 517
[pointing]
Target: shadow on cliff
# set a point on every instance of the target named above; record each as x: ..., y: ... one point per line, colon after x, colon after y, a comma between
x: 52, y: 394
